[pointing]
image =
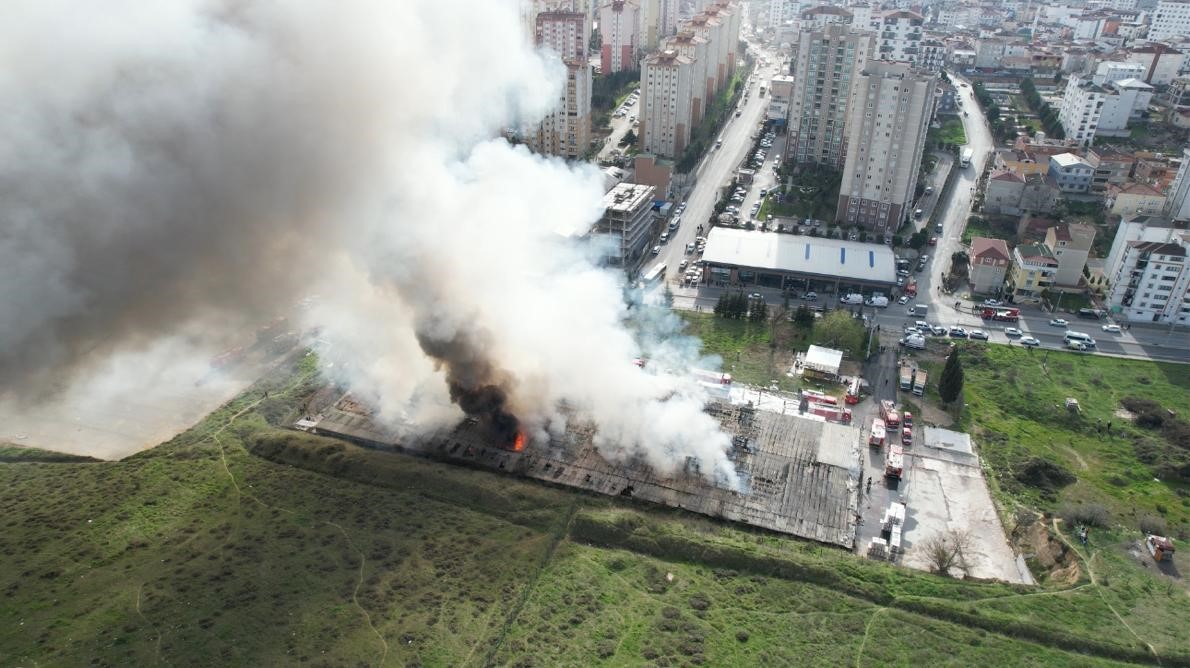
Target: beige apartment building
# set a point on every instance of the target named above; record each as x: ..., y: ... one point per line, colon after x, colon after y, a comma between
x: 825, y: 62
x: 886, y: 133
x: 619, y: 33
x: 667, y: 83
x: 566, y: 131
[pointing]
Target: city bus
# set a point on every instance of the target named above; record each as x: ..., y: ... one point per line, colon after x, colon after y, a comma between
x: 653, y: 276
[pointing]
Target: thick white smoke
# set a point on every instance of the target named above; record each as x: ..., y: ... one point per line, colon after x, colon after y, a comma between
x: 182, y: 162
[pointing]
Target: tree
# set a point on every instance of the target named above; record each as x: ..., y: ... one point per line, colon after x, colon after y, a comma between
x: 629, y: 138
x: 759, y: 311
x: 919, y: 239
x: 947, y: 550
x: 804, y: 317
x: 951, y: 384
x: 841, y: 331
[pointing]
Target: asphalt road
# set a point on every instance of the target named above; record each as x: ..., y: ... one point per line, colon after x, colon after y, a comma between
x: 717, y: 170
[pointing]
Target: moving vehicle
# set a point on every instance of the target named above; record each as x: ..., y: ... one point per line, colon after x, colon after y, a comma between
x: 656, y: 250
x: 919, y: 382
x: 888, y: 413
x: 917, y: 214
x: 965, y: 157
x: 664, y: 237
x: 1012, y: 332
x: 654, y: 275
x: 999, y: 313
x: 938, y: 228
x: 919, y: 309
x: 1111, y: 329
x: 1030, y: 341
x: 877, y: 433
x: 911, y: 289
x: 978, y: 334
x: 958, y: 332
x: 1080, y: 337
x: 1058, y: 322
x: 905, y: 297
x: 894, y: 462
x: 718, y: 143
x: 1089, y: 313
x: 934, y: 240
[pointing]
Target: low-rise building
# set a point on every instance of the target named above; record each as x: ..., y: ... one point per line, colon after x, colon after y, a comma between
x: 1071, y: 173
x: 990, y: 260
x: 627, y: 222
x: 1033, y: 269
x: 1003, y: 193
x: 1135, y: 198
x: 736, y: 257
x: 1126, y: 99
x: 1111, y: 168
x: 1071, y: 244
x: 1022, y: 163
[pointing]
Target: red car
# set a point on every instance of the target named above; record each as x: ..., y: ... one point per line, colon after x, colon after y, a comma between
x: 933, y: 241
x: 907, y: 436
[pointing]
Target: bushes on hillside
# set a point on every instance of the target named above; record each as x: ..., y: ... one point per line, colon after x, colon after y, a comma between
x: 1171, y: 459
x: 1090, y: 514
x: 1044, y: 476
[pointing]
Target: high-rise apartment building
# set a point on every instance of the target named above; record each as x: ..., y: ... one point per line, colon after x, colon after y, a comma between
x: 886, y: 134
x: 619, y: 33
x: 666, y: 119
x: 900, y: 37
x: 658, y: 20
x: 566, y: 131
x: 1177, y: 202
x: 1082, y: 104
x: 824, y: 64
x: 1171, y: 19
x: 702, y: 82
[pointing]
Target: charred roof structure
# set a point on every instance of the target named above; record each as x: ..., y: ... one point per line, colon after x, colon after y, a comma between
x: 797, y: 474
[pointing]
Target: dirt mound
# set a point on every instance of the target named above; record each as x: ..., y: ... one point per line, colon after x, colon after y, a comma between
x: 1050, y: 559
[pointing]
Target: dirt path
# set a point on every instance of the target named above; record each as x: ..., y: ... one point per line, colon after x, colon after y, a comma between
x: 867, y: 629
x: 1095, y: 582
x: 240, y: 494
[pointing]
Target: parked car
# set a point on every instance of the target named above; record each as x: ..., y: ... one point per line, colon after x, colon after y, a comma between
x: 938, y: 330
x: 1111, y: 329
x: 682, y: 265
x: 958, y: 332
x: 1058, y: 322
x: 656, y: 250
x: 1012, y: 332
x: 991, y: 302
x: 810, y: 296
x: 1030, y: 341
x: 978, y: 334
x: 933, y: 241
x: 903, y: 300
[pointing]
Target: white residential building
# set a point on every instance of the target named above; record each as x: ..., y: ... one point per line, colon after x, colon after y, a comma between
x: 666, y: 119
x: 1151, y: 280
x: 900, y: 37
x: 1177, y: 203
x: 1125, y: 100
x: 820, y: 16
x: 1113, y: 70
x: 1081, y: 106
x: 780, y: 92
x: 1162, y: 64
x: 702, y: 87
x: 1171, y: 19
x: 886, y: 133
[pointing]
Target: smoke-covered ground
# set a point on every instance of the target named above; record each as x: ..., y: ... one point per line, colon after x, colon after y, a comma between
x: 196, y: 167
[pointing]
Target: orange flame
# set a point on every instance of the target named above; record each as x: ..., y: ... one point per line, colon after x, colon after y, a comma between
x: 518, y: 444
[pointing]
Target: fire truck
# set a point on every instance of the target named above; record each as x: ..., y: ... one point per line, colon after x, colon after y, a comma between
x: 888, y: 413
x: 853, y: 389
x: 894, y: 462
x: 819, y: 397
x: 1002, y: 314
x: 877, y: 433
x: 831, y: 413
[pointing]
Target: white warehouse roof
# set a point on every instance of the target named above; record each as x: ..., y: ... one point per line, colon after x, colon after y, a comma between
x: 833, y: 258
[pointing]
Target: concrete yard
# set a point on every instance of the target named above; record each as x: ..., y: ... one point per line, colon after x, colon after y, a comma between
x: 798, y: 475
x: 946, y: 491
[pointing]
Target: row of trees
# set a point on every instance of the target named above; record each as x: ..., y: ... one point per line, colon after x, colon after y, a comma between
x: 1049, y: 117
x: 738, y: 306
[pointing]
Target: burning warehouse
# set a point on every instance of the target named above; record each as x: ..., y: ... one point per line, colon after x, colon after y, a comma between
x: 797, y: 475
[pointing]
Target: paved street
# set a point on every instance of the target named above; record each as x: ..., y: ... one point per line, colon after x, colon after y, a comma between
x: 717, y: 169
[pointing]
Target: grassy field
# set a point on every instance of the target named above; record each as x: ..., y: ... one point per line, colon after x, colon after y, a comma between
x: 240, y: 544
x: 952, y: 133
x: 1016, y: 411
x: 753, y: 352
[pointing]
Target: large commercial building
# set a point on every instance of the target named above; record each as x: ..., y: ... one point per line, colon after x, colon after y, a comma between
x: 666, y: 118
x: 1171, y: 20
x: 886, y: 134
x: 566, y: 131
x: 619, y: 33
x: 1177, y: 203
x: 626, y: 221
x: 825, y: 62
x: 736, y: 257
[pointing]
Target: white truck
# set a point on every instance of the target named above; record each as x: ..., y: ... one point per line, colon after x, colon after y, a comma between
x: 852, y: 298
x: 965, y: 157
x: 879, y: 301
x: 919, y: 310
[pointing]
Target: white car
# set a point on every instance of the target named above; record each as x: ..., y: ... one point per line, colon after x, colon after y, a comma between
x: 656, y: 250
x: 978, y: 334
x: 1030, y: 341
x: 903, y: 300
x: 1058, y: 322
x: 1111, y: 329
x: 1012, y: 332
